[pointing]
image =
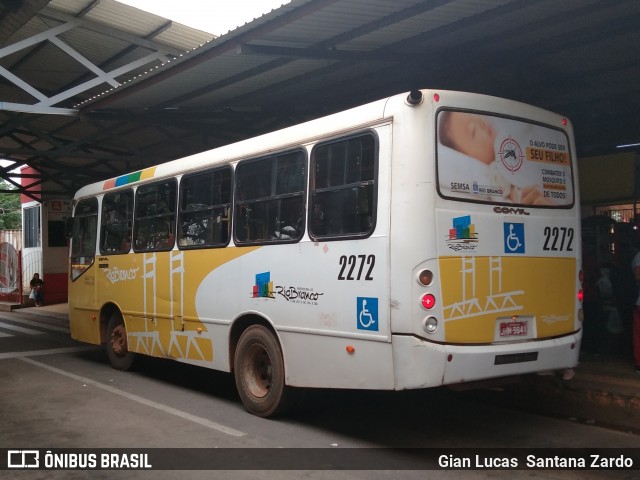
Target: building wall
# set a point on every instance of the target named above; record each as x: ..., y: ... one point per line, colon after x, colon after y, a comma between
x: 50, y: 257
x: 608, y: 179
x: 55, y: 249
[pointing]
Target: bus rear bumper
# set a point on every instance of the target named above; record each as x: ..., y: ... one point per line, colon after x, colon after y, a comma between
x: 436, y: 364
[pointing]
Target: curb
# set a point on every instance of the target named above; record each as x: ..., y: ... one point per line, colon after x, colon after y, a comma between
x: 582, y: 399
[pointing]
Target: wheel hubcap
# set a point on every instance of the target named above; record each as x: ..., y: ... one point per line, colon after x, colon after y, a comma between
x: 258, y: 371
x: 119, y: 340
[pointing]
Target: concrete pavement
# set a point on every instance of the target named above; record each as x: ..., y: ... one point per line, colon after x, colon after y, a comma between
x: 605, y: 389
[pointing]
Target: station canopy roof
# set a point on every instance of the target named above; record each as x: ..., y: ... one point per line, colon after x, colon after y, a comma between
x: 92, y: 89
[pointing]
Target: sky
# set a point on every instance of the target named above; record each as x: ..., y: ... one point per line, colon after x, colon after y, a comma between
x: 212, y: 16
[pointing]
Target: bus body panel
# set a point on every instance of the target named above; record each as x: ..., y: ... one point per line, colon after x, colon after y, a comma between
x: 320, y: 361
x: 469, y: 362
x: 212, y: 288
x: 412, y: 238
x: 299, y: 290
x: 479, y: 309
x: 310, y: 312
x: 182, y: 304
x: 455, y: 364
x: 533, y: 280
x: 83, y: 312
x: 511, y: 271
x: 491, y: 295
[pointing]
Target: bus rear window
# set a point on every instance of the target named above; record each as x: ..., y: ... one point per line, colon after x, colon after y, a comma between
x: 492, y: 159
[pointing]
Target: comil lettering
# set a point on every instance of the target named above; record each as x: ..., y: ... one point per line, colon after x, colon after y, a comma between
x: 511, y: 210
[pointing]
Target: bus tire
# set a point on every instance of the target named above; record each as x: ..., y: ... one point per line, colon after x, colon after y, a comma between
x: 259, y: 372
x: 117, y: 346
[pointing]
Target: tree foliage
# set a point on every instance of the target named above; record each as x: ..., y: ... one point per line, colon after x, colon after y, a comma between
x: 10, y: 208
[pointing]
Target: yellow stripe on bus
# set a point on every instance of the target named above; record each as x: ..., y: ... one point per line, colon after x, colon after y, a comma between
x: 475, y: 296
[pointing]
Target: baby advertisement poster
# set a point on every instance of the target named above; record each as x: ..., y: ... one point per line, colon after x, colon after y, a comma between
x: 501, y: 160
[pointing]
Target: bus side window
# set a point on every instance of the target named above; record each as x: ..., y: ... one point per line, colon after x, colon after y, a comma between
x: 155, y: 214
x: 205, y: 204
x: 117, y: 217
x: 343, y: 188
x: 270, y: 199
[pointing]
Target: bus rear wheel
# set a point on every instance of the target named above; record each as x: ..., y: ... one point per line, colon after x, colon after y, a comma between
x: 259, y: 372
x: 117, y: 346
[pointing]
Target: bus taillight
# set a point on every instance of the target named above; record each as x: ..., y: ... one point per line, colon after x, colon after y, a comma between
x: 581, y: 279
x: 428, y: 301
x: 425, y: 277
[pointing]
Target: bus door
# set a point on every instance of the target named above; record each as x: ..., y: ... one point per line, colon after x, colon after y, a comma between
x: 82, y: 272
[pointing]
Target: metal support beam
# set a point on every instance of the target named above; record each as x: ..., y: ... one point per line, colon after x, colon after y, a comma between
x: 45, y: 104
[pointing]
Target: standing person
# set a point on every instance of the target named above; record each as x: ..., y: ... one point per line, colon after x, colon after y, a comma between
x: 635, y: 330
x: 37, y: 289
x: 591, y: 304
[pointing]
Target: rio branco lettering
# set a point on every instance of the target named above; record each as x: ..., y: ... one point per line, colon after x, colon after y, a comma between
x: 299, y: 295
x: 116, y: 274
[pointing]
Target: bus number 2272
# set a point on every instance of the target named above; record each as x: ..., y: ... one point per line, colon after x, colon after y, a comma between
x: 348, y: 266
x: 558, y: 239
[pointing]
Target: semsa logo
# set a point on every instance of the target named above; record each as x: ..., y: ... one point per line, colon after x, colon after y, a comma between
x: 460, y: 187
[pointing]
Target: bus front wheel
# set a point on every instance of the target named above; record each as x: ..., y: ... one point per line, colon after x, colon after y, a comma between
x: 259, y: 372
x: 117, y: 346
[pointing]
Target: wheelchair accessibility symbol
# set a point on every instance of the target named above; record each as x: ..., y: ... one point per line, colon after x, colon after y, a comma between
x: 367, y: 311
x: 514, y: 238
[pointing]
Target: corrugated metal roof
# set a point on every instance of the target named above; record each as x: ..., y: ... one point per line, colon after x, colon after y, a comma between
x: 143, y: 24
x: 56, y: 53
x: 107, y: 33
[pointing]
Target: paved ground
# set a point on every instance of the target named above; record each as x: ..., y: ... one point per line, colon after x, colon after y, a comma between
x: 605, y: 389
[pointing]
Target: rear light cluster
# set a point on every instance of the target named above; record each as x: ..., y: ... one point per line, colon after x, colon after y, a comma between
x: 428, y: 301
x: 580, y: 291
x: 581, y: 295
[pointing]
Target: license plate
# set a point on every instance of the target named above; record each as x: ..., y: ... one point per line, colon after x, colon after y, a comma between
x: 513, y: 329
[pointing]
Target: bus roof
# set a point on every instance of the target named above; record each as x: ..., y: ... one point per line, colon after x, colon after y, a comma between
x: 294, y: 136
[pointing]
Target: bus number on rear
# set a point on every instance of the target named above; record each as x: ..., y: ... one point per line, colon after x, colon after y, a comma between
x: 356, y: 267
x: 558, y: 239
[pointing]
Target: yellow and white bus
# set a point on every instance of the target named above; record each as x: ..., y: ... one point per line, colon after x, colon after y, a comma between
x: 425, y: 239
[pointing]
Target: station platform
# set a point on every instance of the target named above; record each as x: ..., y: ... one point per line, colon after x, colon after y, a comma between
x: 605, y: 389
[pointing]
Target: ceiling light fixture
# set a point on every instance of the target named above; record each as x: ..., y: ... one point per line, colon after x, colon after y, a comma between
x: 628, y: 145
